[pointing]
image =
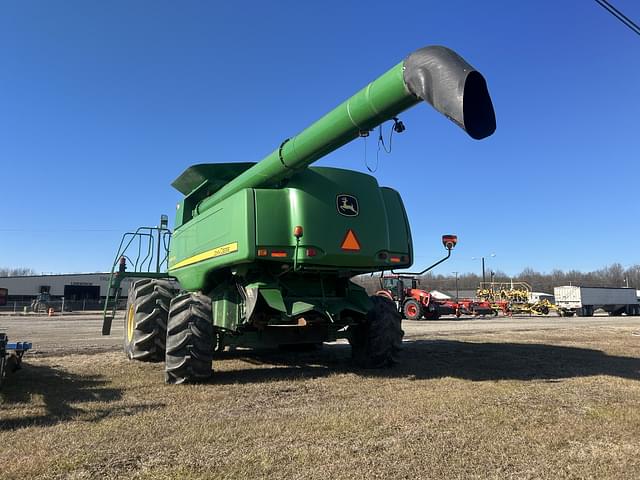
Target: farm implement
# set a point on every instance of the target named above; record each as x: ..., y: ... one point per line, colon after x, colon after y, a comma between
x: 11, y: 355
x: 512, y: 298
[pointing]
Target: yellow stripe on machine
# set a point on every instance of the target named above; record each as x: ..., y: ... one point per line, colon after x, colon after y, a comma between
x: 213, y: 253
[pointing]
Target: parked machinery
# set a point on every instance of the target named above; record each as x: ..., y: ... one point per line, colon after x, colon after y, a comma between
x: 41, y: 303
x: 412, y: 302
x: 264, y: 252
x: 467, y: 306
x: 512, y: 298
x: 416, y: 304
x: 11, y: 355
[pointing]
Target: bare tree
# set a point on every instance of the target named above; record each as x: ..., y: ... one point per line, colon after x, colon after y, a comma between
x: 16, y: 272
x: 614, y: 275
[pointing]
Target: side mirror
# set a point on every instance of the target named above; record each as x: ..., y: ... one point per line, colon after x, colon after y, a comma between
x: 449, y: 241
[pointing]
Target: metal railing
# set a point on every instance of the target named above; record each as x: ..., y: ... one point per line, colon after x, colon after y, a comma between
x: 138, y: 250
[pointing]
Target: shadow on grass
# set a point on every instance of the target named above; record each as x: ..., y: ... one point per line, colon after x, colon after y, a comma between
x: 60, y: 391
x: 425, y: 359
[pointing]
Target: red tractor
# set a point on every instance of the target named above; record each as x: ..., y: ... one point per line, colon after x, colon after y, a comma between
x: 414, y: 303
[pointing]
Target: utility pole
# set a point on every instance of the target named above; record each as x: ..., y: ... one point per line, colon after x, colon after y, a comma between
x: 456, y: 274
x: 484, y: 275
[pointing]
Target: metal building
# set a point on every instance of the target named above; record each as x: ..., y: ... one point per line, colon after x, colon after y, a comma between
x: 73, y: 287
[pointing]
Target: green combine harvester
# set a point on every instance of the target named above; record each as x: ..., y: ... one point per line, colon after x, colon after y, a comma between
x: 262, y: 253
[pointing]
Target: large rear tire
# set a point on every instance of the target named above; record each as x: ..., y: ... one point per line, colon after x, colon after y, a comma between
x: 377, y: 341
x: 145, y: 321
x: 191, y: 339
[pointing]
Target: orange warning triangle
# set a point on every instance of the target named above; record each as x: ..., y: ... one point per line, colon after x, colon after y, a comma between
x: 350, y: 241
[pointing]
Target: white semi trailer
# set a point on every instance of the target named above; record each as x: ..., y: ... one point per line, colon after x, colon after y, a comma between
x: 583, y: 301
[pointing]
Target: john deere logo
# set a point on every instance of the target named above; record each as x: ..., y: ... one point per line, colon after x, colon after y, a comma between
x: 347, y: 205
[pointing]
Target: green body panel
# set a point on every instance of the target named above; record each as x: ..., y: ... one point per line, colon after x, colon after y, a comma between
x: 336, y: 301
x: 202, y: 260
x: 200, y: 181
x: 309, y: 200
x: 231, y: 222
x: 227, y: 306
x: 255, y: 219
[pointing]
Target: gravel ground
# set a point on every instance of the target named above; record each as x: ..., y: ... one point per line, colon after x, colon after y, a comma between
x: 82, y: 332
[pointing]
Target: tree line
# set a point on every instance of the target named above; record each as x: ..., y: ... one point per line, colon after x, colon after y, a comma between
x: 16, y: 272
x: 614, y: 275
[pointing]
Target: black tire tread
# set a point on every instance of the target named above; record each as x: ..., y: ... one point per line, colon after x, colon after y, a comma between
x: 151, y: 299
x: 190, y: 339
x: 377, y: 342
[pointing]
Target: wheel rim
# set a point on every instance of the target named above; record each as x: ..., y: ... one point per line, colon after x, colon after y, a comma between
x: 412, y: 311
x: 130, y: 323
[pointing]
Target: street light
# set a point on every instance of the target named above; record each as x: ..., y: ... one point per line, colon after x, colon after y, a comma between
x: 484, y: 278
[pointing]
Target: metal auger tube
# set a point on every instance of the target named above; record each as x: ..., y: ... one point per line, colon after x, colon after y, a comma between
x: 434, y: 74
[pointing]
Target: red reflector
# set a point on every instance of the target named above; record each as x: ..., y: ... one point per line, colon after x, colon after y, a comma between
x: 278, y: 254
x: 350, y: 241
x: 395, y: 259
x: 311, y: 252
x: 262, y: 252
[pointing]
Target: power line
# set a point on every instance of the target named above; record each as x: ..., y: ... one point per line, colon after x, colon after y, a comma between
x: 619, y: 15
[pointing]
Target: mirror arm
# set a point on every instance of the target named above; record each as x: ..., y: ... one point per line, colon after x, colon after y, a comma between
x: 426, y: 269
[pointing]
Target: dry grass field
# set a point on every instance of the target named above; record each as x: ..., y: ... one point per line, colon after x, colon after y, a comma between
x: 471, y: 400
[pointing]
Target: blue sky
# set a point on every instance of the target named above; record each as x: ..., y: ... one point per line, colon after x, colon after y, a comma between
x: 103, y: 104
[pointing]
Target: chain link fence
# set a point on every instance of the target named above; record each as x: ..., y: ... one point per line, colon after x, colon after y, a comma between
x: 58, y: 305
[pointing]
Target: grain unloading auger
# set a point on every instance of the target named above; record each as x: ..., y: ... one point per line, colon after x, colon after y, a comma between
x: 263, y: 252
